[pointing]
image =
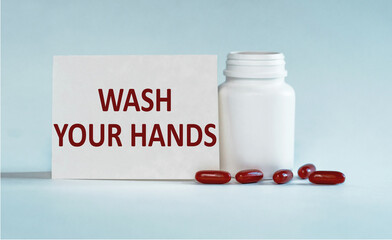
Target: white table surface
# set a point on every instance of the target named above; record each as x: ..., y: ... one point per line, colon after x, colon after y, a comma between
x: 34, y: 206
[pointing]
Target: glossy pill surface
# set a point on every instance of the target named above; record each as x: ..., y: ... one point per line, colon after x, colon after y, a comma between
x: 327, y: 177
x: 283, y: 176
x: 249, y: 176
x: 213, y: 177
x: 305, y: 171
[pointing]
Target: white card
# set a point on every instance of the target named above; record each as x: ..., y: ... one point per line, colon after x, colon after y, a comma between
x: 160, y: 95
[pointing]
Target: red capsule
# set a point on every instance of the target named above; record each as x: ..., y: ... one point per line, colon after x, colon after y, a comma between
x: 283, y: 176
x: 305, y: 171
x: 327, y: 177
x: 213, y: 177
x: 249, y: 176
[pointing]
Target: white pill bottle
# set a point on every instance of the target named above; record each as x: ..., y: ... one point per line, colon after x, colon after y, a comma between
x: 256, y: 114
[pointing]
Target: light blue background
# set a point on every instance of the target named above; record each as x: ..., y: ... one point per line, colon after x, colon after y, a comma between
x: 339, y: 58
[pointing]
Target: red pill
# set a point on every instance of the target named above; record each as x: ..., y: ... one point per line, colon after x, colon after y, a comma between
x: 327, y: 177
x: 249, y: 176
x: 213, y: 177
x: 305, y: 171
x: 283, y: 176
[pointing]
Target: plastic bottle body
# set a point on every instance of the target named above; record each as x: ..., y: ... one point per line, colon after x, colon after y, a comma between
x: 256, y: 124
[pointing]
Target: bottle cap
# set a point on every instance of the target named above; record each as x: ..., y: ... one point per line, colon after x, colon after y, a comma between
x: 255, y: 65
